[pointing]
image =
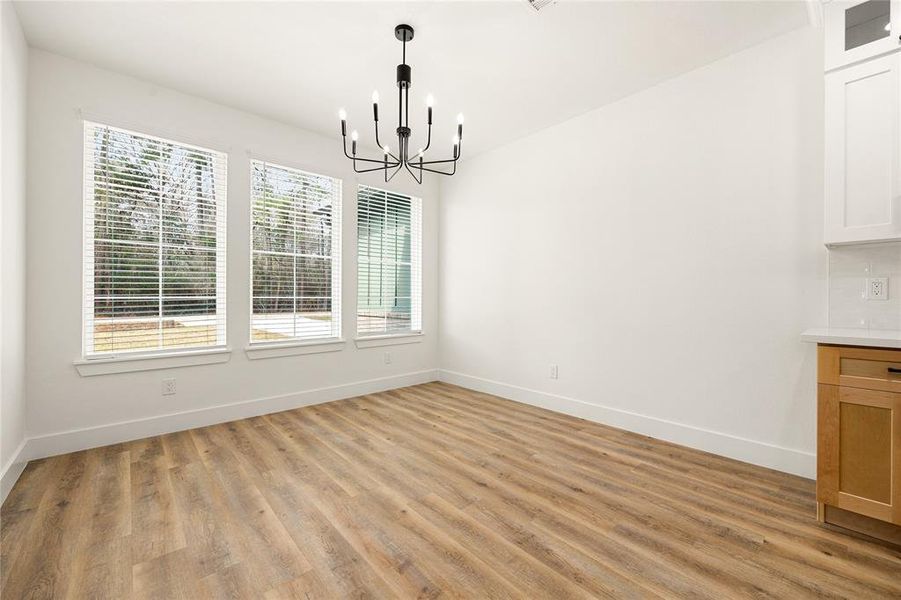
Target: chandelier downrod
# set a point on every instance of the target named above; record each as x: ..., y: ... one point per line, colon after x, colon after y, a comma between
x: 390, y: 163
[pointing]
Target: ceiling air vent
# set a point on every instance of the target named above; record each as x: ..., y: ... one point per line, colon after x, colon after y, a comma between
x: 539, y: 4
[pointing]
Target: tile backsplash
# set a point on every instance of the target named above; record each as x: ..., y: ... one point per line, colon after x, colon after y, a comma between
x: 849, y: 269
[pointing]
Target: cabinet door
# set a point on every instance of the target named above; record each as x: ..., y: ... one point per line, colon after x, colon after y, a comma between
x: 860, y: 29
x: 863, y: 152
x: 859, y: 451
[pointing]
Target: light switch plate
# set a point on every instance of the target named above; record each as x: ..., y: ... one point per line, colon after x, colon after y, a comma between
x: 877, y: 288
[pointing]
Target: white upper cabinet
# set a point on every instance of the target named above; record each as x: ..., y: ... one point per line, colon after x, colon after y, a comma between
x: 863, y: 152
x: 857, y: 30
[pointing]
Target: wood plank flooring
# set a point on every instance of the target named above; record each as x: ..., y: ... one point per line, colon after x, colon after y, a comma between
x: 425, y: 492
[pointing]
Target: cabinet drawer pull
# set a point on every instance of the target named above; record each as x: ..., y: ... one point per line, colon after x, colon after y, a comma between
x: 894, y: 370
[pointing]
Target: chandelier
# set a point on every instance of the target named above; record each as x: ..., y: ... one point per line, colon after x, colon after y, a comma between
x: 392, y: 163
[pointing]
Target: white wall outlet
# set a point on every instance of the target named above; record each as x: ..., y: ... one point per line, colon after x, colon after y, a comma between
x: 554, y: 372
x: 168, y: 387
x: 877, y: 288
x: 387, y: 358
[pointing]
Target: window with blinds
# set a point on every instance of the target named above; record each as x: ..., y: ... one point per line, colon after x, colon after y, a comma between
x: 154, y: 244
x: 389, y: 273
x: 296, y: 248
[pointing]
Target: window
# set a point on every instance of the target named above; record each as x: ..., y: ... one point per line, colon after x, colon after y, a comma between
x: 154, y: 244
x: 389, y: 274
x: 296, y: 248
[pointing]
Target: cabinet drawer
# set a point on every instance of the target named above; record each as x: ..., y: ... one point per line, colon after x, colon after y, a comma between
x: 866, y: 368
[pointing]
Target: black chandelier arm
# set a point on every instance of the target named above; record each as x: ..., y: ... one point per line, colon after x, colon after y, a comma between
x: 396, y: 171
x: 410, y: 171
x: 440, y: 172
x: 441, y: 162
x: 356, y: 158
x: 379, y: 144
x: 454, y: 160
x: 428, y: 141
x: 382, y: 168
x: 384, y: 163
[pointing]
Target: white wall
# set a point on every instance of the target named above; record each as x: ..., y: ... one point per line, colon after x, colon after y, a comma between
x: 666, y: 251
x: 14, y: 76
x: 59, y: 400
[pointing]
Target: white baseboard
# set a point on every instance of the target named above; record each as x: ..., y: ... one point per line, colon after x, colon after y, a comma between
x: 760, y: 453
x: 788, y: 460
x: 12, y: 470
x: 103, y: 435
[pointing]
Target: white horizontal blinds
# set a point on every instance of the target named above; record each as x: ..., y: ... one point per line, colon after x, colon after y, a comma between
x: 296, y: 250
x: 389, y: 274
x: 154, y: 243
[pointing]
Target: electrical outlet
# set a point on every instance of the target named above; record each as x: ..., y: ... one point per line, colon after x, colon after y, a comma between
x: 387, y: 358
x: 168, y: 387
x: 877, y: 288
x: 554, y: 372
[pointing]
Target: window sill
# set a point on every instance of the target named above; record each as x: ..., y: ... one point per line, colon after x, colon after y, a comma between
x: 89, y: 367
x: 278, y: 350
x: 388, y: 340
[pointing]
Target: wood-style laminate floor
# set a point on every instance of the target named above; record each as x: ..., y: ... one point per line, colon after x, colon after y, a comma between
x: 429, y: 491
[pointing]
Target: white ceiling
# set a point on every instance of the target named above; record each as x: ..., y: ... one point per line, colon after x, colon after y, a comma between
x: 510, y: 70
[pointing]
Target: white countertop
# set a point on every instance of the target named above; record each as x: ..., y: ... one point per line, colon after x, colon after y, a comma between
x: 853, y: 337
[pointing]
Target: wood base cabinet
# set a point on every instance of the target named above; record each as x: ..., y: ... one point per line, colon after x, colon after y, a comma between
x: 859, y: 438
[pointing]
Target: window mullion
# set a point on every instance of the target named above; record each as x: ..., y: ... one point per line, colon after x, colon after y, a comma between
x: 160, y: 258
x: 383, y: 241
x: 294, y: 265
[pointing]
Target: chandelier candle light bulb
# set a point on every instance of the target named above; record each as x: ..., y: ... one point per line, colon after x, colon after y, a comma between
x: 416, y: 165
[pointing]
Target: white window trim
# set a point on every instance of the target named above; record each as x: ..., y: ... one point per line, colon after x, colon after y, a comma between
x: 394, y: 339
x: 261, y: 350
x: 266, y: 349
x: 171, y: 359
x: 403, y: 337
x: 108, y: 363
